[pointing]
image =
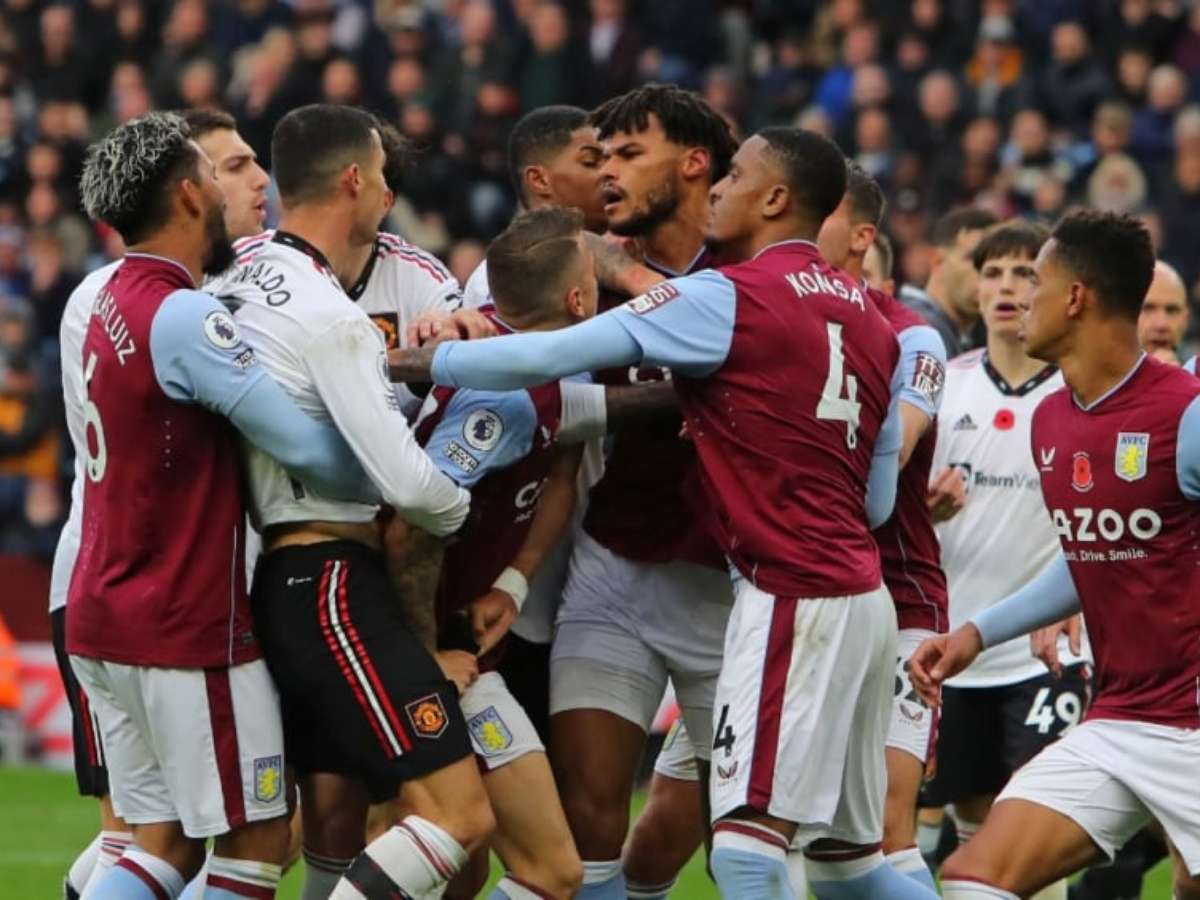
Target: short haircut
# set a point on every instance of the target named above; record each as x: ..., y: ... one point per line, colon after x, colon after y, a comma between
x: 887, y: 254
x: 1015, y: 238
x: 866, y: 196
x: 397, y: 154
x: 1111, y: 254
x: 128, y: 176
x: 527, y: 264
x: 202, y: 122
x: 538, y: 136
x: 313, y: 144
x: 969, y: 218
x: 687, y: 120
x: 814, y: 167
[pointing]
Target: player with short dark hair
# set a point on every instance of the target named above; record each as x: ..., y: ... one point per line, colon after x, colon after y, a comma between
x: 948, y: 300
x: 878, y: 262
x: 1006, y: 707
x: 908, y: 545
x: 243, y: 184
x: 163, y: 643
x: 799, y: 722
x: 366, y: 707
x: 1119, y: 458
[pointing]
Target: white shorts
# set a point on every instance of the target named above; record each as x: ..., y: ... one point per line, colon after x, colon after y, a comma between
x: 626, y: 627
x: 203, y: 747
x: 911, y: 730
x: 802, y: 712
x: 1112, y: 777
x: 499, y: 727
x: 677, y: 757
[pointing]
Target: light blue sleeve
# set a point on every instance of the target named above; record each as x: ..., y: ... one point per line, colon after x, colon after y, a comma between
x: 1187, y: 451
x: 523, y: 360
x: 198, y: 353
x: 482, y: 432
x: 885, y: 459
x: 1190, y: 365
x: 1049, y: 598
x: 199, y: 357
x: 923, y: 362
x: 685, y: 324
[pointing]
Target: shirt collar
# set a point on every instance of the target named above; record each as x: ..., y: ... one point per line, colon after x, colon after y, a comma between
x: 1112, y: 390
x: 154, y: 258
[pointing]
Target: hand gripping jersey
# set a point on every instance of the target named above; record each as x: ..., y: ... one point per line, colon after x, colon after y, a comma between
x: 159, y: 579
x: 325, y: 352
x: 1121, y: 481
x: 648, y: 505
x: 908, y: 545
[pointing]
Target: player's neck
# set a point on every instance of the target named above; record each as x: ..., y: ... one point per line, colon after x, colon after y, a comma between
x: 776, y: 232
x: 177, y: 248
x: 356, y: 263
x: 329, y: 231
x: 1099, y: 361
x: 676, y: 242
x: 1008, y: 357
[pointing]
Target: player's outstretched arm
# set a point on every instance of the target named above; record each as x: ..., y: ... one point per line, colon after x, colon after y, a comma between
x: 940, y: 657
x: 348, y: 365
x: 885, y: 458
x: 923, y: 365
x: 199, y: 357
x: 619, y: 271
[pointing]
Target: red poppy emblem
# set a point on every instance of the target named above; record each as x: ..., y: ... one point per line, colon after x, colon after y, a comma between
x: 1004, y: 420
x: 1081, y: 473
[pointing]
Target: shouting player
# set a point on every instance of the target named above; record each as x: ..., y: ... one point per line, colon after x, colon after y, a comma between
x: 1119, y: 459
x: 162, y: 642
x: 1006, y: 707
x: 805, y: 691
x: 243, y: 183
x: 907, y: 543
x: 365, y: 705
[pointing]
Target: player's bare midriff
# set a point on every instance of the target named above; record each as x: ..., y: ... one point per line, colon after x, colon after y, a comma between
x: 297, y: 534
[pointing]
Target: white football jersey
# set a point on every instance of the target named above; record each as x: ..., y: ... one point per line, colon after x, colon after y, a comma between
x: 326, y: 353
x: 400, y: 284
x: 1003, y: 537
x: 476, y: 292
x: 71, y: 333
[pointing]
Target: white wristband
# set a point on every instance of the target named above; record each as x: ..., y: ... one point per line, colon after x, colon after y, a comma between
x: 513, y: 583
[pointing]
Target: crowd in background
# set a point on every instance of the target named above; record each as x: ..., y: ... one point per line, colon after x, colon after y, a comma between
x: 1022, y: 107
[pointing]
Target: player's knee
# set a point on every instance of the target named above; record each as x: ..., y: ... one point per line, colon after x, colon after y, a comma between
x: 557, y: 873
x: 899, y: 826
x: 471, y: 821
x: 1186, y: 887
x: 265, y: 841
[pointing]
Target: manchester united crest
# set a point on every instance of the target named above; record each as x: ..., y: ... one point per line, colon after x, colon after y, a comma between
x: 428, y: 716
x: 1081, y: 473
x: 1133, y: 449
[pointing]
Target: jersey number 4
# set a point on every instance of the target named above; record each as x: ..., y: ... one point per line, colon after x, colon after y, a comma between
x: 94, y: 463
x: 834, y: 404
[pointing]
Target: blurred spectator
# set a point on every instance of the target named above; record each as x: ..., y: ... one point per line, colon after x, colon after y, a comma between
x: 1166, y: 93
x: 859, y: 47
x: 996, y: 71
x: 1074, y: 82
x: 788, y: 85
x: 1028, y: 157
x: 1165, y: 315
x: 614, y: 44
x: 551, y: 73
x: 1117, y: 185
x: 51, y: 281
x: 1179, y: 210
x: 184, y: 39
x: 959, y: 177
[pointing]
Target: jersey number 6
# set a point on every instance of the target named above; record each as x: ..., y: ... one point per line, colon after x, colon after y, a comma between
x: 97, y: 462
x: 833, y: 404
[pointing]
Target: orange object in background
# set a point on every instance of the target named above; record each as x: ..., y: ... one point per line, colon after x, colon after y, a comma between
x: 10, y: 671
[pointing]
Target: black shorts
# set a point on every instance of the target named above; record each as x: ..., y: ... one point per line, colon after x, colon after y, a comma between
x: 525, y: 668
x: 987, y: 733
x: 91, y: 771
x: 359, y: 694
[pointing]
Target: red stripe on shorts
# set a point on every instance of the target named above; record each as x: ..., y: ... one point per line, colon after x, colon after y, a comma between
x: 225, y: 742
x: 365, y: 660
x: 770, y: 702
x: 241, y: 888
x: 160, y: 892
x: 89, y: 733
x: 344, y: 664
x: 757, y: 832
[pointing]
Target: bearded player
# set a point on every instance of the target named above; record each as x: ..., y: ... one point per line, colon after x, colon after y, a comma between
x: 907, y: 542
x: 1119, y: 453
x: 799, y: 721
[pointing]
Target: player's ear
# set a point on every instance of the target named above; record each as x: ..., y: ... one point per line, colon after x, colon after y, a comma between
x: 1076, y: 299
x: 696, y: 163
x: 861, y: 238
x: 537, y: 182
x: 352, y: 179
x: 777, y: 201
x: 191, y: 195
x: 576, y: 308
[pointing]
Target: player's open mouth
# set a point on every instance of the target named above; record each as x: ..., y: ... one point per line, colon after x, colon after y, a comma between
x: 1006, y: 309
x: 611, y: 195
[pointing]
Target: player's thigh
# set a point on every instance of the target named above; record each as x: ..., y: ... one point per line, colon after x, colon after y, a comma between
x: 1036, y: 711
x: 594, y: 755
x: 454, y: 797
x: 220, y: 744
x: 797, y: 680
x: 969, y: 746
x: 501, y: 731
x: 137, y: 785
x: 360, y: 695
